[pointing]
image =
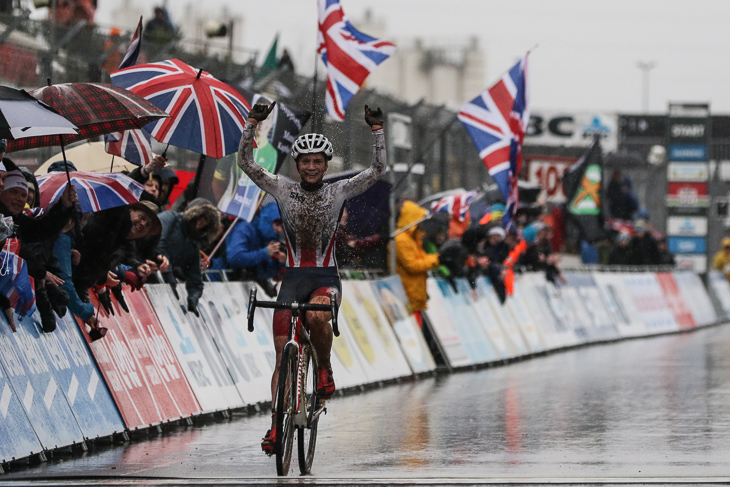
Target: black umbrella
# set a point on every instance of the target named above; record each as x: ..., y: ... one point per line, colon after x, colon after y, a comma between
x: 22, y: 116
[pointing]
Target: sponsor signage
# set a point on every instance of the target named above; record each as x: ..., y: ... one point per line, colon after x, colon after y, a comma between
x: 688, y: 171
x: 702, y: 211
x: 687, y: 245
x: 688, y: 194
x: 547, y: 172
x: 687, y: 226
x: 642, y: 125
x: 688, y: 152
x: 693, y: 262
x: 572, y: 129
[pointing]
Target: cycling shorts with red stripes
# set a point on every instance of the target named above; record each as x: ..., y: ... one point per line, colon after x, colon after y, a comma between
x: 301, y: 284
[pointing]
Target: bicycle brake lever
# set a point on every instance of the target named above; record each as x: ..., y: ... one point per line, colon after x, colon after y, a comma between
x: 251, y: 307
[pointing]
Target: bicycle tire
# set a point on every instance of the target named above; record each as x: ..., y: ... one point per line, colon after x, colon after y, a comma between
x: 307, y: 436
x: 285, y: 409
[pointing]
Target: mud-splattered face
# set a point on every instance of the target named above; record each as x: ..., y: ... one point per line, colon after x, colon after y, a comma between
x: 312, y: 167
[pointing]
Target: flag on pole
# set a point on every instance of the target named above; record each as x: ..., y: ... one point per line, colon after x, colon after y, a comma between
x: 456, y: 206
x: 131, y: 145
x: 271, y: 62
x: 130, y: 59
x: 496, y: 121
x: 582, y: 186
x: 348, y: 54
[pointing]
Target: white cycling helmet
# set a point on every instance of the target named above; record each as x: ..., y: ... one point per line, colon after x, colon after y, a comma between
x: 312, y: 144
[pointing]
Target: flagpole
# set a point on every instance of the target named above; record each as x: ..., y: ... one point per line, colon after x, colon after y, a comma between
x: 228, y: 230
x: 314, y: 94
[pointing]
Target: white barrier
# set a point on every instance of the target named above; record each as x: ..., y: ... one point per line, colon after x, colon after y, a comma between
x: 219, y: 365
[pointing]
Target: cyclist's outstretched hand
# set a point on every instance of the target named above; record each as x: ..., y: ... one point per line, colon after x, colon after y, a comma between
x: 374, y: 117
x: 260, y: 111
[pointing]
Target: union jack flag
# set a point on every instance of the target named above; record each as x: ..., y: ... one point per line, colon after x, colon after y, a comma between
x: 15, y: 283
x: 349, y: 55
x: 496, y: 120
x: 206, y: 115
x: 131, y: 145
x: 130, y: 58
x: 457, y: 205
x: 96, y: 191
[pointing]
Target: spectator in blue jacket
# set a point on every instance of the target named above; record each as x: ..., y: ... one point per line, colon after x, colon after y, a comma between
x: 253, y: 250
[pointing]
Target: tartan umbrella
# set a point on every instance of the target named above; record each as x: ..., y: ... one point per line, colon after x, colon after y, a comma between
x: 95, y: 108
x: 96, y: 191
x: 206, y: 115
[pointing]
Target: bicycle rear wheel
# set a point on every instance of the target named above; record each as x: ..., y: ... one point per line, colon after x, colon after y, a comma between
x: 285, y: 410
x: 307, y: 436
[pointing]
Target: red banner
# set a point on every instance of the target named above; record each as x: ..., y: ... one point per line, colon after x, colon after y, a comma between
x: 161, y: 353
x: 675, y: 300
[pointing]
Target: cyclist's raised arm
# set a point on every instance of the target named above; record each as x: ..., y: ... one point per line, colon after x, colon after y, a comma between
x: 369, y: 176
x: 263, y: 178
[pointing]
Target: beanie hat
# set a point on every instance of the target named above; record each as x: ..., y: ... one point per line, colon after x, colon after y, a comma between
x: 496, y: 231
x: 529, y: 234
x: 15, y: 179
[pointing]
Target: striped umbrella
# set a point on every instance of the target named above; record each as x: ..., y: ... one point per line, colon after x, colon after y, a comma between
x: 96, y: 191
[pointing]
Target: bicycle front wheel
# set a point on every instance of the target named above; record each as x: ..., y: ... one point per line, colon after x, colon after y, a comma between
x: 285, y: 410
x: 307, y: 436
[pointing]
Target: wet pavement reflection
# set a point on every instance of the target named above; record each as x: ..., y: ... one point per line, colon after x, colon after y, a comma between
x: 644, y: 410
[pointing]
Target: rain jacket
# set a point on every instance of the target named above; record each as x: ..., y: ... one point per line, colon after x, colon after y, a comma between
x: 412, y: 262
x: 721, y: 262
x: 246, y: 245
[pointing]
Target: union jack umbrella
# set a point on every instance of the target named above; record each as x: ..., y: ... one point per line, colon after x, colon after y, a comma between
x: 95, y: 108
x: 15, y: 283
x: 96, y: 191
x: 456, y: 205
x: 207, y: 115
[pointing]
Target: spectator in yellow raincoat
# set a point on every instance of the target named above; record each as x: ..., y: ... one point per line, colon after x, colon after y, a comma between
x: 412, y: 262
x: 721, y: 261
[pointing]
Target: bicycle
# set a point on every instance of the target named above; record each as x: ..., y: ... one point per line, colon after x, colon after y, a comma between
x: 296, y: 404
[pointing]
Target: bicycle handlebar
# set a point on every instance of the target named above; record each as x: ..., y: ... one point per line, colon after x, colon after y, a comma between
x: 332, y: 308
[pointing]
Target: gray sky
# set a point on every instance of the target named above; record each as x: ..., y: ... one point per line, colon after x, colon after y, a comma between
x: 587, y: 51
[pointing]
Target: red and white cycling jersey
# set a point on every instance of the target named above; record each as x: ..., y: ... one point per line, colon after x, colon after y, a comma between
x: 310, y: 218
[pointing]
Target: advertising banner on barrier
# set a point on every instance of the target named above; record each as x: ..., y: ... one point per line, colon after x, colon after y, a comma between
x: 377, y: 342
x: 17, y: 438
x: 582, y: 291
x: 515, y: 305
x: 390, y: 296
x: 128, y: 370
x: 619, y: 304
x: 720, y: 287
x: 695, y: 297
x: 444, y: 316
x: 675, y: 300
x: 485, y: 291
x: 464, y: 320
x: 501, y: 345
x: 365, y: 301
x: 249, y: 357
x: 80, y: 380
x: 166, y: 371
x: 552, y: 331
x: 194, y: 348
x: 31, y: 378
x: 649, y: 300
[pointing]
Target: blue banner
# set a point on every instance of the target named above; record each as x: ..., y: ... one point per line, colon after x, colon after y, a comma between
x: 687, y: 245
x: 17, y: 438
x: 80, y: 381
x: 688, y: 152
x: 31, y: 375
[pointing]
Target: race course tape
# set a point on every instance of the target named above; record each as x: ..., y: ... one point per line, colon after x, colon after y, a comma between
x: 159, y: 363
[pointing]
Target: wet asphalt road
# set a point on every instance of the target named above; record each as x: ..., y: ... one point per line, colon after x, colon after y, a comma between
x: 646, y: 411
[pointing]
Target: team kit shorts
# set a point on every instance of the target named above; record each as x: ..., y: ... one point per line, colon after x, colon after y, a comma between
x: 301, y: 284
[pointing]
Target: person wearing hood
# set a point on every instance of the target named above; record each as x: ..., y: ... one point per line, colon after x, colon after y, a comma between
x: 412, y: 263
x: 183, y: 235
x: 253, y: 249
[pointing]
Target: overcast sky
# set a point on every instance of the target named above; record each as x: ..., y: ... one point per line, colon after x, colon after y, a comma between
x: 587, y: 52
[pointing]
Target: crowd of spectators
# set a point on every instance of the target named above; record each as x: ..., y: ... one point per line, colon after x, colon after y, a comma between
x: 77, y: 260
